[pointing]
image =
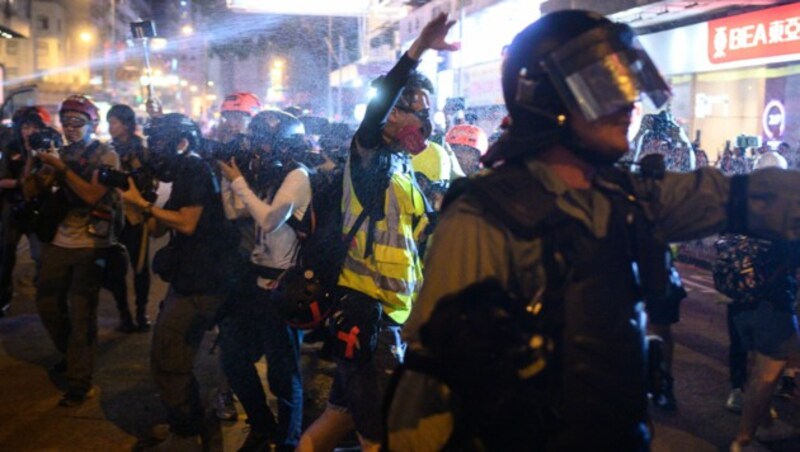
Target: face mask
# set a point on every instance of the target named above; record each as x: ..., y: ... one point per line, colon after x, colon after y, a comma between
x: 411, y: 139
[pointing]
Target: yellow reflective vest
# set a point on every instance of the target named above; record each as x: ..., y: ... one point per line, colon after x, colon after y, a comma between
x: 392, y: 272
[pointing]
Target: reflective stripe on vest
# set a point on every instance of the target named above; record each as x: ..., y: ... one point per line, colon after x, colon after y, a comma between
x: 391, y: 273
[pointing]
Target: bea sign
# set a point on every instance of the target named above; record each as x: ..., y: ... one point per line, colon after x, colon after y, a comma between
x: 766, y: 33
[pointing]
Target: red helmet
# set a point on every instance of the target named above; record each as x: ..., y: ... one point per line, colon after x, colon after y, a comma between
x: 468, y: 135
x: 245, y: 102
x: 80, y: 104
x: 35, y: 112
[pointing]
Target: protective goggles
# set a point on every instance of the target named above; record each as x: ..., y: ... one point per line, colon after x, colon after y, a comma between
x: 601, y: 72
x: 423, y: 115
x: 73, y: 122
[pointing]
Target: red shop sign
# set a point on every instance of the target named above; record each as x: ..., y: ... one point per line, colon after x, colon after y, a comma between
x: 766, y: 33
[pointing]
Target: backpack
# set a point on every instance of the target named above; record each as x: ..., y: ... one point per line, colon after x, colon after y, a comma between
x: 305, y: 293
x: 745, y: 267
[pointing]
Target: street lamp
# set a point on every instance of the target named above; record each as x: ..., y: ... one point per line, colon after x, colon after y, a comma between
x: 85, y: 36
x: 158, y: 44
x: 187, y: 30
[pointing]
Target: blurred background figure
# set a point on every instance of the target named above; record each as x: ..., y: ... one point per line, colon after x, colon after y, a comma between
x: 469, y: 143
x: 236, y: 112
x: 16, y: 165
x: 661, y: 134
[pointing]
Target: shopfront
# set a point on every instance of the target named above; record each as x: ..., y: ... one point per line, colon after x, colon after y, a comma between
x: 738, y: 75
x: 484, y: 27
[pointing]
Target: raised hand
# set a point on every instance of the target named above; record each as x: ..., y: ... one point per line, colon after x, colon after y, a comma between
x: 433, y: 37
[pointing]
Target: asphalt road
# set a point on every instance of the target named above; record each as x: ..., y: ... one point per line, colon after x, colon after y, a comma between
x: 127, y: 406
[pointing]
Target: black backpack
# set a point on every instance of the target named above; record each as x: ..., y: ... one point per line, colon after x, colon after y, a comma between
x: 306, y: 292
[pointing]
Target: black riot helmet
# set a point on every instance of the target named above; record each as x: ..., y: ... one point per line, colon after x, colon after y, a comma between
x: 280, y: 130
x: 164, y: 134
x: 574, y: 62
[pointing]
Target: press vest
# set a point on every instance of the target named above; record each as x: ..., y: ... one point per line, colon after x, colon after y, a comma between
x: 388, y: 269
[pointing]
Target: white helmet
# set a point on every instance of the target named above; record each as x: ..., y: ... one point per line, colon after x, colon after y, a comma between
x: 770, y: 159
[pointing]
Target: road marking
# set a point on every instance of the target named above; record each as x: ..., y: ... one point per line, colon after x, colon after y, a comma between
x: 697, y: 286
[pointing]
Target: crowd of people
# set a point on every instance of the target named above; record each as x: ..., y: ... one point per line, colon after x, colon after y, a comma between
x: 504, y: 310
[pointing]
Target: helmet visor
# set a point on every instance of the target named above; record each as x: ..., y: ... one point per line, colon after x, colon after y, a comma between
x: 603, y: 71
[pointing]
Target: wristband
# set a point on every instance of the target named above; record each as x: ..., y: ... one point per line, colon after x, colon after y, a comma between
x: 148, y: 209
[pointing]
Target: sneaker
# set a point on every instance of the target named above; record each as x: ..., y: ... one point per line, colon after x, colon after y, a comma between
x: 142, y: 322
x: 224, y: 407
x: 73, y: 398
x: 177, y: 443
x: 257, y: 441
x: 734, y: 402
x: 786, y: 388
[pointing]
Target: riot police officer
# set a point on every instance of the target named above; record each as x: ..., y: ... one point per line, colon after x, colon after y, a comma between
x: 576, y: 241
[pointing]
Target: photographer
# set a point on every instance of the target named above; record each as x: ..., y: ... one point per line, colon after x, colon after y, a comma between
x: 236, y: 112
x: 281, y: 190
x: 15, y: 165
x: 193, y: 262
x: 133, y: 158
x: 72, y: 264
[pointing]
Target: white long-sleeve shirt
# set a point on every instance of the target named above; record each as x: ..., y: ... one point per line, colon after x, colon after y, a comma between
x: 276, y: 242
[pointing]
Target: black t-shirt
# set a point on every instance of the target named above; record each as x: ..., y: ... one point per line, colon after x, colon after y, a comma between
x: 12, y: 165
x: 204, y: 255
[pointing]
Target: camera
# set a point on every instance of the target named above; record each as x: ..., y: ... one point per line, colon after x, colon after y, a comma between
x: 45, y: 139
x: 113, y: 178
x: 748, y: 141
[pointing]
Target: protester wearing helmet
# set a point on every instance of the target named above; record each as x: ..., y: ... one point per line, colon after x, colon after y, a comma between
x: 562, y: 229
x: 273, y: 192
x: 88, y: 216
x: 385, y: 211
x: 194, y: 263
x: 16, y: 166
x: 469, y: 143
x: 236, y: 112
x: 133, y: 157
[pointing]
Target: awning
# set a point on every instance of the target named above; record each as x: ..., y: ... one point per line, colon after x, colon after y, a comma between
x: 7, y: 33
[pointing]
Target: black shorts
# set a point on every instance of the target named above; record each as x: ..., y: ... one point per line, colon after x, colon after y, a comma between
x: 768, y: 330
x: 359, y: 388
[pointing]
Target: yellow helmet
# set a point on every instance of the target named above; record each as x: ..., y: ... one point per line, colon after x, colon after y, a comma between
x: 433, y: 162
